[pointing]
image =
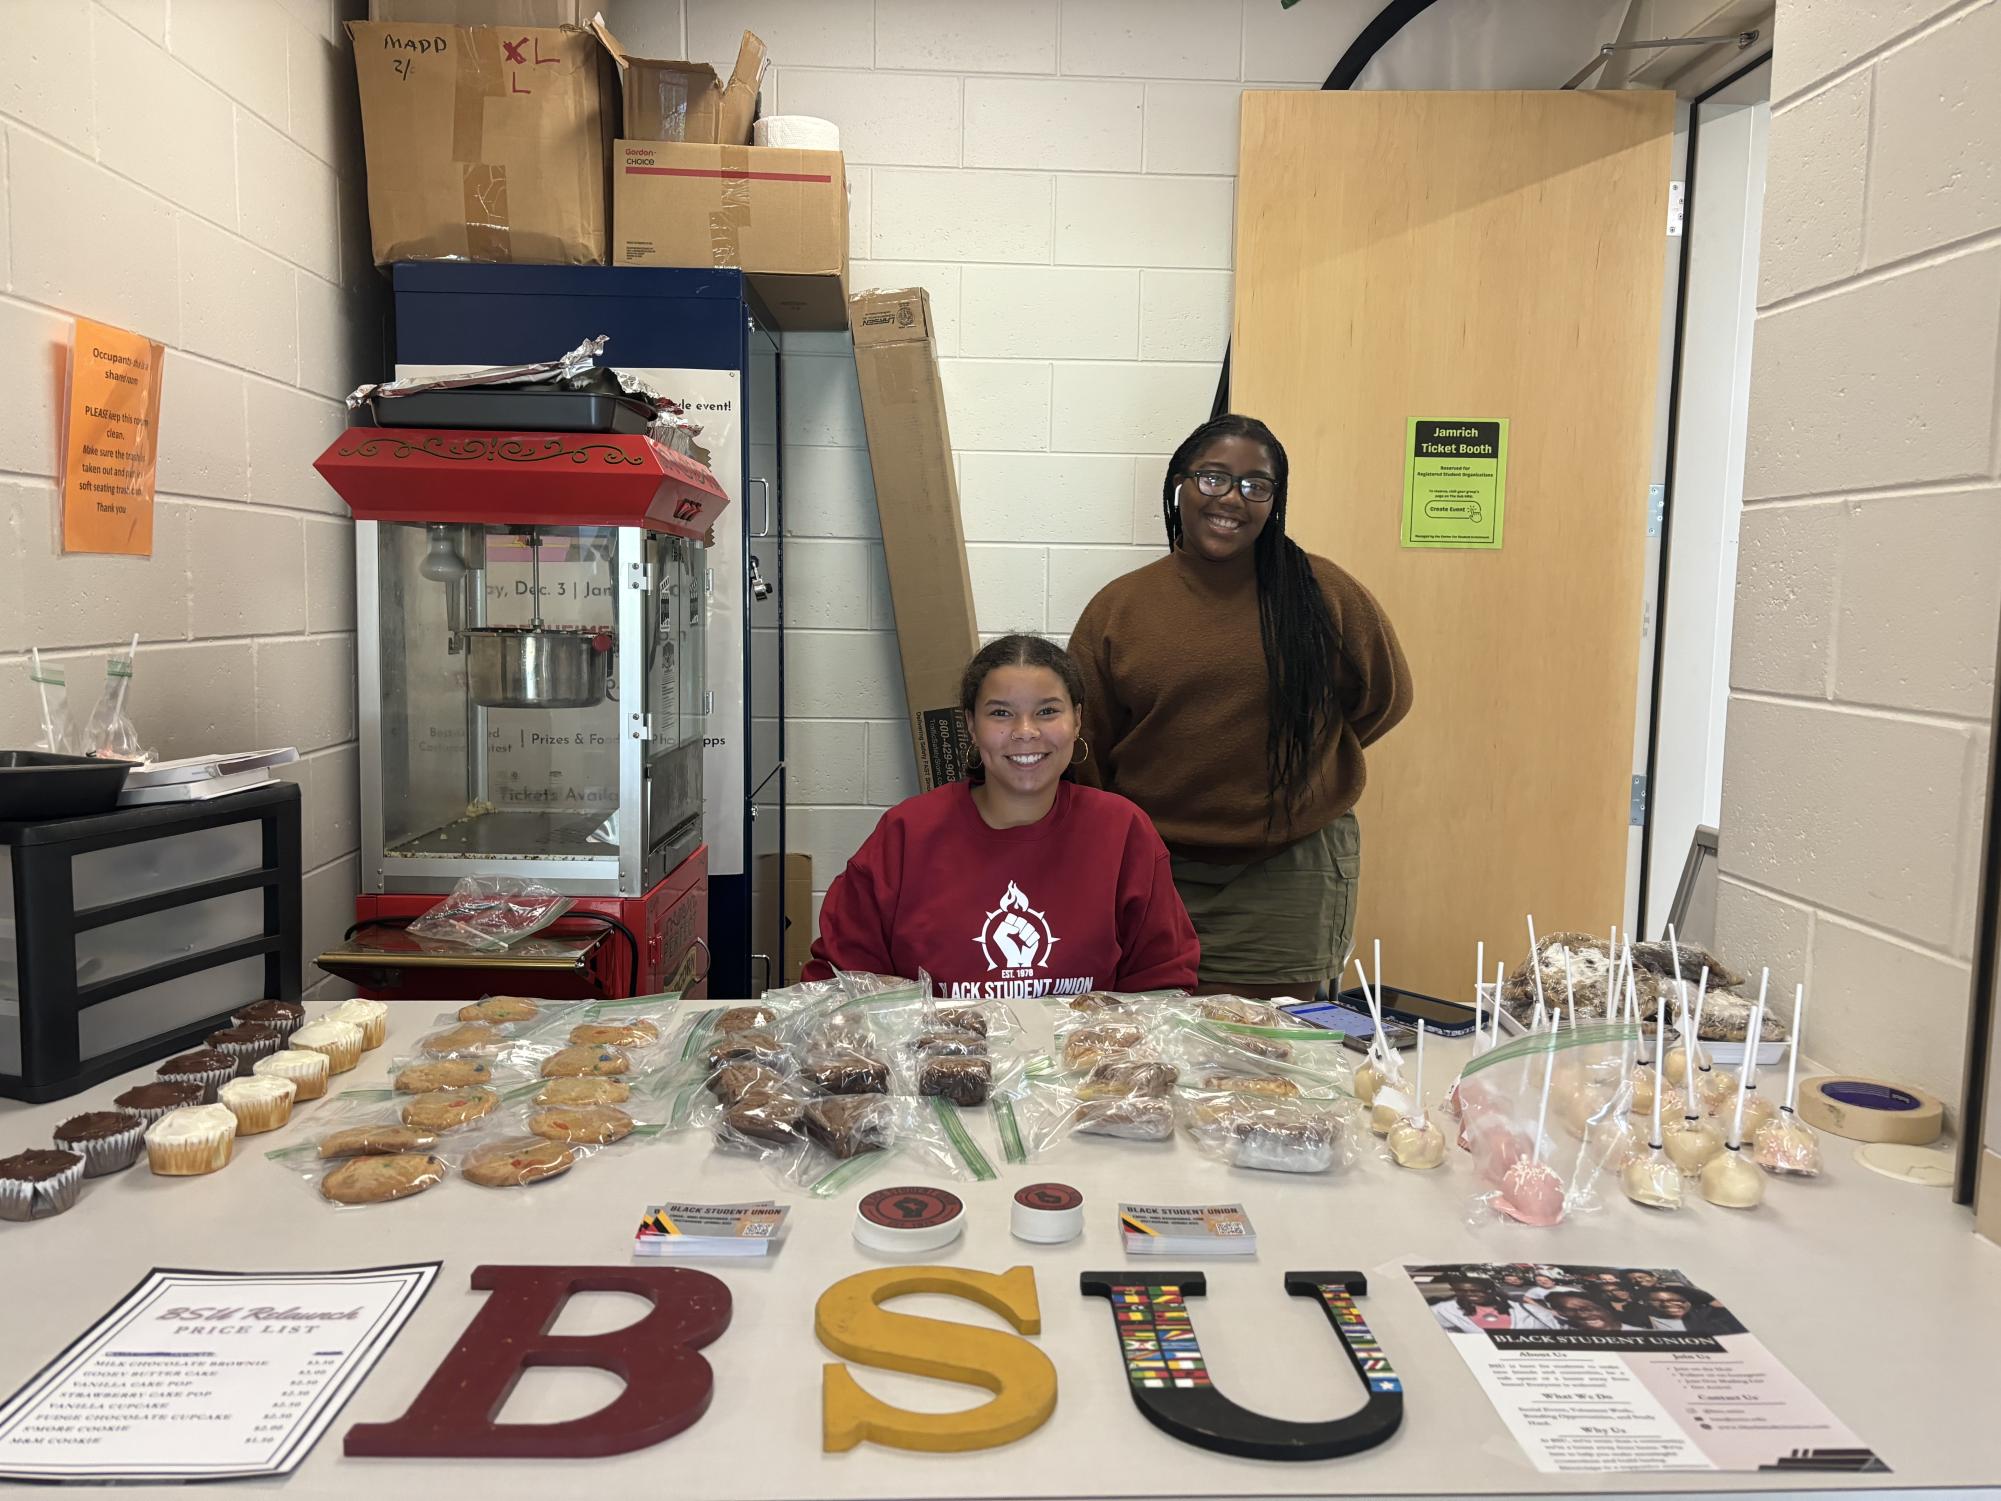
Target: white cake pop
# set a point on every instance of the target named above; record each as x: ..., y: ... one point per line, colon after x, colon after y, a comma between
x: 1713, y: 1091
x: 1674, y: 1062
x: 1731, y: 1180
x: 1695, y: 1138
x: 1651, y: 1179
x: 1531, y: 1192
x: 1787, y: 1145
x: 1414, y: 1141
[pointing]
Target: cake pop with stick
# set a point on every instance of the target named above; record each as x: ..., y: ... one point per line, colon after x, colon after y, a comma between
x: 1376, y: 1069
x: 1787, y: 1145
x: 1531, y: 1192
x: 1731, y: 1180
x: 1651, y: 1178
x: 1713, y: 1091
x: 1494, y: 1041
x: 1675, y: 1062
x: 1535, y: 970
x: 1758, y: 1108
x: 1414, y: 1141
x: 1695, y: 1139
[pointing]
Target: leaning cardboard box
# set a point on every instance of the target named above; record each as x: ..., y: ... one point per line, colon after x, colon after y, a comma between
x: 778, y: 214
x: 486, y: 143
x: 917, y: 503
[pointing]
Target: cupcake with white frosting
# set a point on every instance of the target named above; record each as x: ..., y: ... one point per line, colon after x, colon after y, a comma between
x: 259, y: 1104
x: 340, y: 1041
x: 187, y: 1143
x: 371, y: 1016
x: 307, y: 1070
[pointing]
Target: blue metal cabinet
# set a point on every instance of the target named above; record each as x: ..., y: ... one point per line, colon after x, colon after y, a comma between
x: 708, y: 326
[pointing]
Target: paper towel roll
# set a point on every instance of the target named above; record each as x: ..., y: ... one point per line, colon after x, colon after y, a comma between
x: 799, y: 132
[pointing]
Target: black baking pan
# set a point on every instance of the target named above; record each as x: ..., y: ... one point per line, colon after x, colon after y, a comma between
x: 35, y: 785
x: 526, y: 409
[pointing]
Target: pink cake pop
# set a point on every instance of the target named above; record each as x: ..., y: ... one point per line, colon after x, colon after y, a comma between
x: 1531, y: 1192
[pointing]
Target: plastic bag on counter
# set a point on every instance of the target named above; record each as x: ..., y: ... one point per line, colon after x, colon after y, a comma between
x: 1546, y: 1116
x: 1273, y: 1132
x: 847, y: 1137
x: 849, y: 985
x: 1119, y: 1002
x: 1045, y: 1109
x: 376, y: 1146
x: 1314, y: 1058
x: 487, y: 913
x: 110, y: 732
x: 564, y: 1041
x: 58, y: 733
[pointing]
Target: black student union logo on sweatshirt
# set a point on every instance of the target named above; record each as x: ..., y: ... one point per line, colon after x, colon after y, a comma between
x: 1015, y: 938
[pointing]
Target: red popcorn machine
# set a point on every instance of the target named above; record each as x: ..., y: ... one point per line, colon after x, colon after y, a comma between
x: 529, y: 639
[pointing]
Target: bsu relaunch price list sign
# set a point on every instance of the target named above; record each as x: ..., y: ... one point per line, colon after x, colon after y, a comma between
x: 1455, y: 482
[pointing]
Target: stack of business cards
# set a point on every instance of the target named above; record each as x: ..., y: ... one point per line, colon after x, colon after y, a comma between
x: 676, y: 1230
x: 1187, y: 1230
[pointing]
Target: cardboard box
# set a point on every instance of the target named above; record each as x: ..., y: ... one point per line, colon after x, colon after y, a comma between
x: 780, y: 215
x: 484, y: 12
x: 917, y: 500
x: 486, y: 143
x: 789, y: 950
x: 681, y: 101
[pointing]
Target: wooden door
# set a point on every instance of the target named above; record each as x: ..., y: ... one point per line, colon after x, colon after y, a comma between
x: 1471, y: 255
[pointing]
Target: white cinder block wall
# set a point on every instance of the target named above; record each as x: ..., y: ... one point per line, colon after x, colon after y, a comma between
x: 1870, y: 574
x: 191, y: 170
x: 1060, y: 175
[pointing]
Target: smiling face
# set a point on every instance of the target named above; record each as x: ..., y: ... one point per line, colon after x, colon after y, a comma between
x: 1224, y: 527
x: 1581, y: 1312
x: 1024, y: 726
x: 1668, y: 1303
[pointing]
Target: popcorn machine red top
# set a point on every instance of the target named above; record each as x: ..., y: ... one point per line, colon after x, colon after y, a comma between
x: 529, y: 634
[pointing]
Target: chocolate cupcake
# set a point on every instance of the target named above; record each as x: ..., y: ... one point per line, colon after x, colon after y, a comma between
x: 282, y: 1017
x: 37, y: 1184
x: 208, y: 1067
x: 246, y: 1042
x: 151, y: 1101
x: 107, y: 1140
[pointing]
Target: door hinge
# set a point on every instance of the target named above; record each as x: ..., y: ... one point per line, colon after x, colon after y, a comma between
x: 1637, y: 814
x: 642, y: 727
x: 1677, y: 192
x: 708, y: 702
x: 1656, y: 508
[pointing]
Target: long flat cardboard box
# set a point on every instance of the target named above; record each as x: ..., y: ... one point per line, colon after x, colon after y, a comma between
x: 923, y: 538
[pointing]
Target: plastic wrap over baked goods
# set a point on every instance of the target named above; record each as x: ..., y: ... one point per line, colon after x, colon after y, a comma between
x: 488, y: 913
x: 1273, y: 1132
x: 1547, y: 1118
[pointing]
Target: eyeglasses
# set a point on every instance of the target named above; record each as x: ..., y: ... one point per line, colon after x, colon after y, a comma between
x: 1215, y: 482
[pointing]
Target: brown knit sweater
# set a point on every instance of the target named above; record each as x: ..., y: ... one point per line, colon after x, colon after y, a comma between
x: 1176, y: 710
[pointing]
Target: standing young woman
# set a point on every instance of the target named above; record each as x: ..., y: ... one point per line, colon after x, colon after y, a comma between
x: 1229, y: 690
x: 1018, y: 882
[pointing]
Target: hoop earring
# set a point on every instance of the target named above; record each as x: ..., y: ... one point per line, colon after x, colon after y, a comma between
x: 1084, y: 746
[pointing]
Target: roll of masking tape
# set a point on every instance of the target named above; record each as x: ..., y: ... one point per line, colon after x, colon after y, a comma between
x: 1870, y: 1110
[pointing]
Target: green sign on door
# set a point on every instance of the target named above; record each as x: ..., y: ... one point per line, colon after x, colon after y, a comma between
x: 1455, y: 481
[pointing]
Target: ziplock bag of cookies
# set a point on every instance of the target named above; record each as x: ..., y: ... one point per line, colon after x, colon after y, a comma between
x: 954, y: 1050
x: 639, y: 1024
x: 1083, y: 1040
x: 1131, y: 1004
x: 1046, y: 1108
x: 361, y: 1149
x: 1196, y: 1042
x: 1273, y: 1134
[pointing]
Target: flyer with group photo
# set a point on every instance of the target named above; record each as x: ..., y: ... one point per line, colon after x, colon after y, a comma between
x: 1598, y: 1369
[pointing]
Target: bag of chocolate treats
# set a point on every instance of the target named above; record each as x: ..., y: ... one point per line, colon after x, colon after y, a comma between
x: 846, y: 1137
x: 1549, y: 1117
x: 1125, y: 1098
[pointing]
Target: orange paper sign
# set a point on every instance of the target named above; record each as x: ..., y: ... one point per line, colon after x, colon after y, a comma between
x: 111, y: 440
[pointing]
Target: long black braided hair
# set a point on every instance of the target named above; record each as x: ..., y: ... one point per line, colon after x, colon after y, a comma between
x: 1303, y: 652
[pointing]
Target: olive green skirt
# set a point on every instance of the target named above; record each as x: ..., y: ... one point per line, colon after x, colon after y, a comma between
x: 1288, y: 919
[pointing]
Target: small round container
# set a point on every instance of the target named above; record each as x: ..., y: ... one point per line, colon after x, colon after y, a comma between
x: 903, y: 1221
x: 1047, y: 1214
x: 107, y: 1140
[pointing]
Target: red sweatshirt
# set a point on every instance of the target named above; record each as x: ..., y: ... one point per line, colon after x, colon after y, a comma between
x: 1080, y: 901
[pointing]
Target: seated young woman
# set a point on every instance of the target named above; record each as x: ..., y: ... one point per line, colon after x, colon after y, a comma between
x: 1016, y: 882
